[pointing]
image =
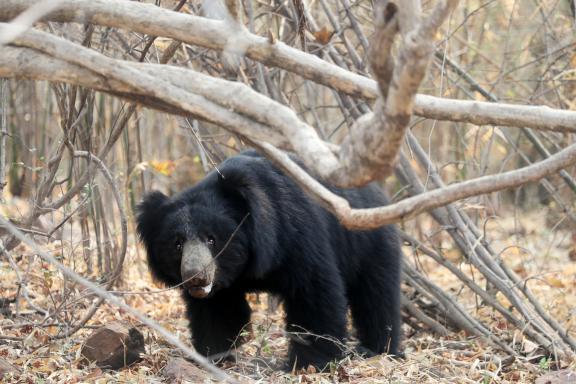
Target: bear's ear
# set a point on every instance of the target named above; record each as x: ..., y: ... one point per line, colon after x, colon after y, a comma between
x: 150, y: 213
x: 247, y: 178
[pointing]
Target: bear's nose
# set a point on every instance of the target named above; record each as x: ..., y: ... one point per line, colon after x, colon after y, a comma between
x: 197, y: 269
x: 198, y: 279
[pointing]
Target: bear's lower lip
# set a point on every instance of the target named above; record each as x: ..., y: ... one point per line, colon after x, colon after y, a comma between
x: 200, y: 292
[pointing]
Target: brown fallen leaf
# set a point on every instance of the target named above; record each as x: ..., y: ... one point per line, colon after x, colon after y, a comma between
x: 324, y: 35
x: 555, y: 282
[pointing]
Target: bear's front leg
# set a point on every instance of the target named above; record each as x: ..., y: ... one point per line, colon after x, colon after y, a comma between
x: 317, y: 328
x: 216, y: 322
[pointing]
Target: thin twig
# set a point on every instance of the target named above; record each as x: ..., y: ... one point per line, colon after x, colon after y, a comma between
x: 3, y: 133
x: 121, y: 251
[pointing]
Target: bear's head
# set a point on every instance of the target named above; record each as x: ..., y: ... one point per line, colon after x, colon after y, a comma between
x: 209, y: 235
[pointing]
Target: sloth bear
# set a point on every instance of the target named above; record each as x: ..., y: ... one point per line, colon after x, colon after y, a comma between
x: 247, y: 227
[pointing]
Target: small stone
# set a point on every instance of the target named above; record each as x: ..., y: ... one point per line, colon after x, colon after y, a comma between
x: 178, y: 369
x: 113, y: 346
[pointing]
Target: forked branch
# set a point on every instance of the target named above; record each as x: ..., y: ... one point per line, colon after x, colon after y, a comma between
x: 371, y: 149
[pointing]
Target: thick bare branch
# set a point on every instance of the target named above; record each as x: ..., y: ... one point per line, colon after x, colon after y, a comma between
x: 214, y: 34
x: 366, y: 218
x: 381, y: 60
x: 303, y: 139
x: 232, y: 105
x: 376, y: 217
x: 371, y: 149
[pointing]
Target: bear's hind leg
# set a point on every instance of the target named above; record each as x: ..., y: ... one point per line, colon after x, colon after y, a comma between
x: 216, y: 322
x: 375, y: 306
x: 316, y: 322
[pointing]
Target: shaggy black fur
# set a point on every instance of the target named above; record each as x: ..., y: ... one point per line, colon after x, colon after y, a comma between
x: 289, y: 246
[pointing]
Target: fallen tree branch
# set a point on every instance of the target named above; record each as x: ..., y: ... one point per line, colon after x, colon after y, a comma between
x: 519, y: 323
x: 215, y: 34
x: 268, y: 117
x: 458, y: 313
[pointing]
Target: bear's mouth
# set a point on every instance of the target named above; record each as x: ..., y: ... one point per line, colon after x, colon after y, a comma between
x: 199, y: 291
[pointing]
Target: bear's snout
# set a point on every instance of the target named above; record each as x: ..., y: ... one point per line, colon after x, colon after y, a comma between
x: 197, y: 269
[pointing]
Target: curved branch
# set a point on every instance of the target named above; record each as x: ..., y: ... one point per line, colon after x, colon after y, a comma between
x: 368, y: 218
x: 269, y: 120
x: 302, y: 138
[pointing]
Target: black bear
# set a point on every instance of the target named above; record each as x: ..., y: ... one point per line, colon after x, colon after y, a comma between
x: 247, y: 227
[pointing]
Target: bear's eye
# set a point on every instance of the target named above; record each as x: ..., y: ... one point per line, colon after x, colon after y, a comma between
x: 179, y: 245
x: 210, y: 241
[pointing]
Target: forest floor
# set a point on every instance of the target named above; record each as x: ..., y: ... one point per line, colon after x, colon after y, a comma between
x: 542, y: 256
